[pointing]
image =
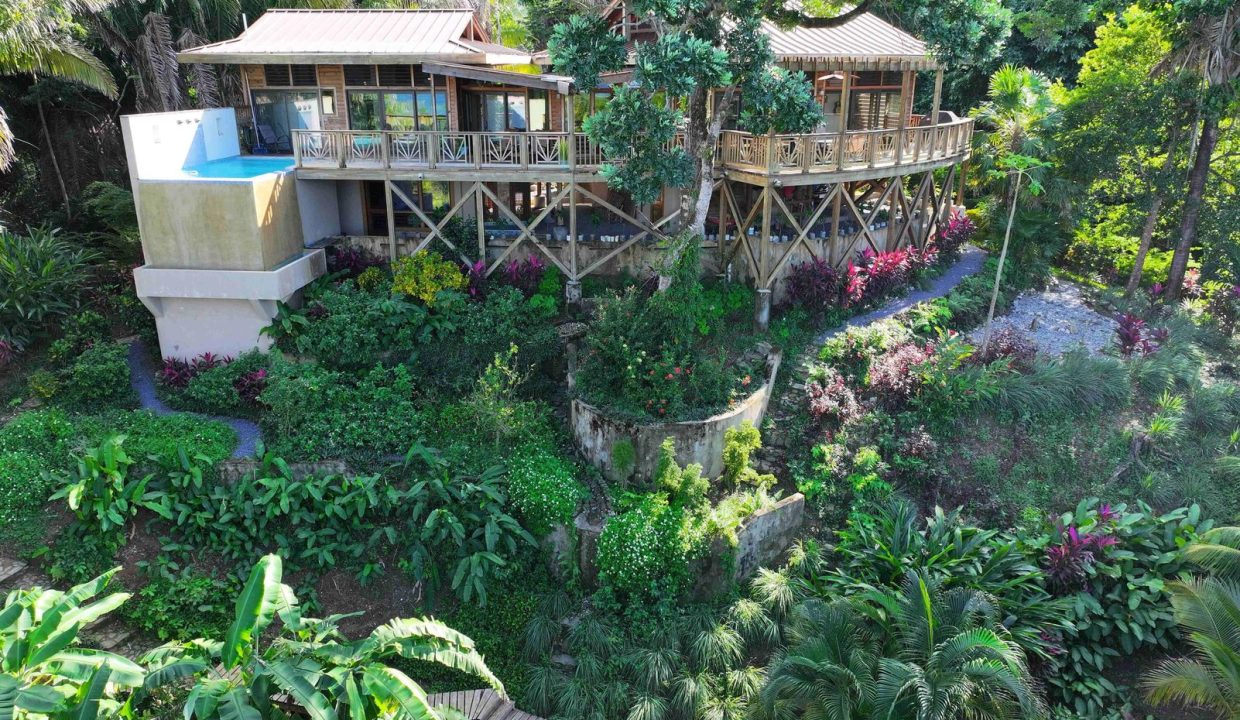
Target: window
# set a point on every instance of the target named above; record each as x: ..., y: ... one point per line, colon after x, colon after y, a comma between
x: 290, y: 75
x: 395, y: 76
x: 277, y: 76
x: 431, y: 197
x: 327, y: 98
x: 277, y: 113
x: 513, y: 111
x: 398, y: 110
x: 359, y: 75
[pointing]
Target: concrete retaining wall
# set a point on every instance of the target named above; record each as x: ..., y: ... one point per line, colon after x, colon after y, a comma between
x: 697, y: 441
x: 760, y: 542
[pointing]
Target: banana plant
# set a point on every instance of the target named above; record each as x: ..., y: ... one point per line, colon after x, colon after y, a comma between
x: 100, y: 493
x: 308, y: 664
x: 44, y: 673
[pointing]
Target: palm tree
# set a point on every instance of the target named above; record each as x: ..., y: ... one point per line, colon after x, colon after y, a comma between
x: 1208, y: 611
x: 37, y: 37
x: 309, y: 665
x: 953, y: 659
x: 1209, y: 47
x: 827, y: 672
x: 1017, y: 117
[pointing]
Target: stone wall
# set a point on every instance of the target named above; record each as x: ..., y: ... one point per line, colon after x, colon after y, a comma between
x: 697, y: 441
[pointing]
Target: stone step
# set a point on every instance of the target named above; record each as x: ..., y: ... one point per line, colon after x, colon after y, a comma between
x: 108, y: 635
x: 10, y: 568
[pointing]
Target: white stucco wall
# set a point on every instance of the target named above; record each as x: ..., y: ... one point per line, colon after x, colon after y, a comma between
x: 160, y: 144
x: 351, y: 207
x: 320, y: 209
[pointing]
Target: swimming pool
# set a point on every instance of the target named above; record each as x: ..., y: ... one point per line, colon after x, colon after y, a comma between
x: 239, y: 167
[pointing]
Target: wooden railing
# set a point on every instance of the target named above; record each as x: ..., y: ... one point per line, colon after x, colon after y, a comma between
x: 431, y: 149
x: 768, y: 154
x: 852, y: 150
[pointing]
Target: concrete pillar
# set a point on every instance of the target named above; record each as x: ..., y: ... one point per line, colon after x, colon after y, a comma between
x: 762, y: 309
x: 572, y: 291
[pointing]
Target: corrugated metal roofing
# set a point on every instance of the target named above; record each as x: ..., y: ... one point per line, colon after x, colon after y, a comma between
x: 863, y: 36
x: 357, y: 35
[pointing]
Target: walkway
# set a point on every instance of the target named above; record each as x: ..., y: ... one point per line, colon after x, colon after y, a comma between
x: 970, y: 263
x: 772, y: 457
x: 142, y: 379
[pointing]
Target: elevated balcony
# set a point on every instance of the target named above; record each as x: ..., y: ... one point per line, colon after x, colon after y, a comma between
x: 557, y: 156
x: 843, y: 156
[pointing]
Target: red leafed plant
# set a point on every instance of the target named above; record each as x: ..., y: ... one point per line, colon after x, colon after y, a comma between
x: 8, y: 352
x: 830, y: 398
x: 895, y: 376
x: 251, y: 385
x: 176, y: 373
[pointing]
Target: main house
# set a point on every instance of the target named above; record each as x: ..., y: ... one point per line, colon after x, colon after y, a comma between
x: 400, y: 130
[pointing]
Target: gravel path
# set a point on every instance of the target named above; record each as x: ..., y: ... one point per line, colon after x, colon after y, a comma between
x: 1056, y: 320
x: 970, y: 263
x: 142, y: 378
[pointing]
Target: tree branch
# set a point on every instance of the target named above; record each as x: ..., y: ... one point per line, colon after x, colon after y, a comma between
x: 776, y: 11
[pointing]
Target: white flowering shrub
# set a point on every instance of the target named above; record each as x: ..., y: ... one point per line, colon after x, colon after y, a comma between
x: 542, y: 488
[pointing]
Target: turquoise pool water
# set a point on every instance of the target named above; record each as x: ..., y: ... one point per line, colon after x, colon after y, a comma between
x: 239, y: 167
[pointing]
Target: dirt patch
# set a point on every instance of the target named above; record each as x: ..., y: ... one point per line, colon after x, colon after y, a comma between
x: 391, y: 595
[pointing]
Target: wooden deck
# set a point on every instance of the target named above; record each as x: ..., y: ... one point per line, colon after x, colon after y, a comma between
x: 480, y: 705
x: 560, y: 156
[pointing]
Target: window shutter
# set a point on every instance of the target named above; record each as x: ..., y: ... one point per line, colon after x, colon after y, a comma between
x: 395, y: 76
x: 359, y: 75
x: 304, y: 75
x: 276, y: 75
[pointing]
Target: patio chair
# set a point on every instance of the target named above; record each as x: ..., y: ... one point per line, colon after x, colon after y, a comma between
x: 269, y: 141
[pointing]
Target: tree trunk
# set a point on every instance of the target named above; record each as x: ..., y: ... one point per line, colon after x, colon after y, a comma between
x: 51, y: 153
x: 1151, y: 220
x: 701, y: 133
x: 994, y: 294
x: 1192, y: 205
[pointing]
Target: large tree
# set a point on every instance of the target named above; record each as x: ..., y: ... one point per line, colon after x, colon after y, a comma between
x: 1207, y: 44
x: 42, y: 38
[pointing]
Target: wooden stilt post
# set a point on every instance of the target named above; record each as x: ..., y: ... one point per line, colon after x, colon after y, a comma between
x: 480, y: 223
x: 833, y: 251
x: 934, y: 111
x: 391, y: 218
x: 842, y: 144
x: 902, y: 119
x: 721, y: 236
x: 762, y: 313
x: 573, y: 287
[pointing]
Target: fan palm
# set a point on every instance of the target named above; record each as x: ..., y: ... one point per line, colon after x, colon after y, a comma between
x: 953, y: 659
x: 1208, y: 611
x: 1016, y: 119
x: 309, y: 665
x: 827, y: 673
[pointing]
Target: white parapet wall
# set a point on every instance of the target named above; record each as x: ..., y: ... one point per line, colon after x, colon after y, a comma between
x: 221, y: 311
x: 223, y: 235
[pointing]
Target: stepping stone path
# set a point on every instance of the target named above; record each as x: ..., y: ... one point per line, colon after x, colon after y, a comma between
x: 142, y: 379
x: 773, y: 457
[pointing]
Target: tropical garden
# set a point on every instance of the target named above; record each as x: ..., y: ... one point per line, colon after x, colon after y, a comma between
x: 389, y: 503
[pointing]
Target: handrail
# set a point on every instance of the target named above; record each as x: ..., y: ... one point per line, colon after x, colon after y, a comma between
x: 826, y: 152
x: 738, y: 150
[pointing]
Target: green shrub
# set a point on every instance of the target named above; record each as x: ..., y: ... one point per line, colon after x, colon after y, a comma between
x: 42, y: 275
x: 851, y: 351
x: 542, y: 488
x: 156, y: 441
x: 47, y: 434
x: 317, y: 413
x: 214, y: 391
x: 350, y: 328
x: 1075, y: 382
x: 372, y: 278
x: 451, y: 361
x: 425, y: 274
x: 1107, y: 248
x: 78, y: 554
x: 98, y: 379
x: 1114, y: 566
x: 640, y: 551
x: 24, y: 486
x: 182, y: 608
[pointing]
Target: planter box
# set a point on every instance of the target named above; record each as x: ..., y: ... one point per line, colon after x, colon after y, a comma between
x: 697, y: 441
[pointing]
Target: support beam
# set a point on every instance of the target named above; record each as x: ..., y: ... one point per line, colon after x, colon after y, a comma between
x: 391, y: 219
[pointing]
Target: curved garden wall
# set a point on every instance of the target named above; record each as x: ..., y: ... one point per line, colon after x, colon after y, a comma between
x: 697, y: 441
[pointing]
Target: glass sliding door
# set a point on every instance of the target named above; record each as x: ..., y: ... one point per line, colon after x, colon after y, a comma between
x: 277, y: 113
x: 365, y: 110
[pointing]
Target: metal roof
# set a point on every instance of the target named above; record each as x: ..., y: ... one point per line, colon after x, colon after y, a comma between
x: 863, y: 38
x: 359, y: 36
